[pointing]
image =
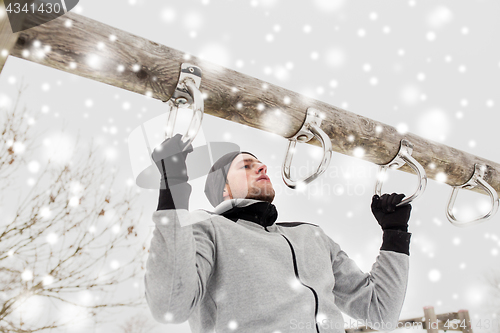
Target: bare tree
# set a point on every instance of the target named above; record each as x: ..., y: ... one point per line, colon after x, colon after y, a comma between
x: 62, y: 232
x: 138, y: 324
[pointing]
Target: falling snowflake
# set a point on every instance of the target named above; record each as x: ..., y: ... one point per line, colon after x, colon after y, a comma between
x: 431, y: 36
x: 321, y: 317
x: 434, y: 275
x: 433, y: 124
x: 74, y: 202
x: 51, y: 238
x: 410, y: 94
x: 27, y: 275
x: 47, y: 280
x: 5, y: 101
x: 114, y: 264
x: 402, y: 128
x: 439, y: 17
x: 441, y: 177
x: 45, y: 212
x: 33, y: 166
x: 168, y: 15
x: 339, y: 189
x: 232, y: 325
x: 216, y: 53
x: 116, y: 229
x: 359, y: 152
x: 94, y: 61
x: 329, y: 5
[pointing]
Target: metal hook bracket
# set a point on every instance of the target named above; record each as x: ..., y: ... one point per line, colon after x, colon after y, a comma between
x: 477, y: 179
x: 310, y: 129
x: 403, y: 157
x: 186, y: 94
x: 181, y: 95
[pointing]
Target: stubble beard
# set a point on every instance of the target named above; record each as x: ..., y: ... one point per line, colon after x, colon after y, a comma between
x: 264, y: 193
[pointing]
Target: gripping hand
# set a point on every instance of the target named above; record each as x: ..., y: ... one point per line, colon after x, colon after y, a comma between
x: 170, y: 159
x: 388, y: 215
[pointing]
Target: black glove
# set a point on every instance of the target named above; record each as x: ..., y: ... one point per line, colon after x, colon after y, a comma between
x: 388, y: 215
x: 171, y: 161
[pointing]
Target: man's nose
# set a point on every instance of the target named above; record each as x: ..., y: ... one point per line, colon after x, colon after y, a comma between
x: 262, y: 168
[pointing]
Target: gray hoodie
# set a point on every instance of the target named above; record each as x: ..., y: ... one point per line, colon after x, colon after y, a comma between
x: 227, y: 274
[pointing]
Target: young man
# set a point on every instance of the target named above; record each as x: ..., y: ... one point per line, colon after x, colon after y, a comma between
x: 236, y: 269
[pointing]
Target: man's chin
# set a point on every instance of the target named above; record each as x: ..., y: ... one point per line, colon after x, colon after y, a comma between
x: 263, y: 195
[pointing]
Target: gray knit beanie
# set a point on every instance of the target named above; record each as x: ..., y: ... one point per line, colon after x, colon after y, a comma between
x: 217, y: 176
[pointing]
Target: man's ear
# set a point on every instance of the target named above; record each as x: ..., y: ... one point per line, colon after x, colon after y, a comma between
x: 226, y: 194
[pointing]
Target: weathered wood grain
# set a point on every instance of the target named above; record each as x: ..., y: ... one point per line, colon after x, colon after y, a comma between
x: 463, y: 316
x: 7, y: 37
x: 94, y: 50
x: 431, y: 322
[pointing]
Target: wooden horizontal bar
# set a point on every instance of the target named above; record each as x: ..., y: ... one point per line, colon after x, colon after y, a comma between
x: 7, y: 38
x: 94, y: 50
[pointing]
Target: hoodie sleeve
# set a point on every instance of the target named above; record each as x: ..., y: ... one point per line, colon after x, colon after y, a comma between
x: 376, y: 297
x: 180, y: 262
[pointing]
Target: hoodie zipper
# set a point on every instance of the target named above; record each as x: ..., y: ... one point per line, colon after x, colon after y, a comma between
x: 298, y: 278
x: 296, y: 271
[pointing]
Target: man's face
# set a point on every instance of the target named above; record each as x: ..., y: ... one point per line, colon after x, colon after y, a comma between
x: 247, y: 178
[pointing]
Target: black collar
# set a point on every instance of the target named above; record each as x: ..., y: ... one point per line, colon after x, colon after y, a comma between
x: 262, y: 213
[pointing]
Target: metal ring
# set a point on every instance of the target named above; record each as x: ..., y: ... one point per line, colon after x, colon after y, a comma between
x: 404, y: 156
x: 475, y: 180
x: 171, y: 118
x: 198, y: 110
x: 311, y: 125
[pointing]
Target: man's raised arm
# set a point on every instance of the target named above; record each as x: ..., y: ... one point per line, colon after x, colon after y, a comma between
x: 377, y: 297
x: 180, y: 257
